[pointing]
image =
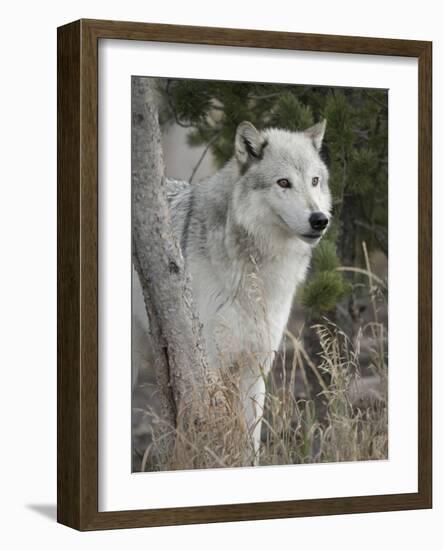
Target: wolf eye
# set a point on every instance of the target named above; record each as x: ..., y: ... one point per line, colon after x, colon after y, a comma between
x: 315, y: 181
x: 284, y: 183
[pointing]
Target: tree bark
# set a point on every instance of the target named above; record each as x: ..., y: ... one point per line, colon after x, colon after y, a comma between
x: 181, y: 362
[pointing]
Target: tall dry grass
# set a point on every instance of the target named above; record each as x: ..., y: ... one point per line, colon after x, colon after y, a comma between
x: 346, y: 421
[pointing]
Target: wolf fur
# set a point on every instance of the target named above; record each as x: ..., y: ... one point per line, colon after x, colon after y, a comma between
x: 246, y: 237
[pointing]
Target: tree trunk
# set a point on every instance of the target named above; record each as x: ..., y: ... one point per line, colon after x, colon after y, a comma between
x: 176, y: 331
x: 347, y: 254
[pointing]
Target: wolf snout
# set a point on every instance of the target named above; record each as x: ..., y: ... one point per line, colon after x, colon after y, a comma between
x: 318, y: 221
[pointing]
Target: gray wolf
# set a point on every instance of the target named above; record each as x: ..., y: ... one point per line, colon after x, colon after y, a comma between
x: 247, y: 235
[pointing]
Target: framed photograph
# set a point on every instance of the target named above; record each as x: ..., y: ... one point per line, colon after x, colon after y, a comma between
x: 244, y: 274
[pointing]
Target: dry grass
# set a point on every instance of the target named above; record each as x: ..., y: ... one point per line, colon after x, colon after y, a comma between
x: 207, y: 435
x: 346, y: 421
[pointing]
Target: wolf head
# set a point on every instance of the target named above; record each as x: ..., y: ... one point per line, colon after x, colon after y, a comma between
x: 283, y: 182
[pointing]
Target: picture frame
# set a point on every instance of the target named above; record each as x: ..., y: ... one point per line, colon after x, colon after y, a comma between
x: 78, y: 244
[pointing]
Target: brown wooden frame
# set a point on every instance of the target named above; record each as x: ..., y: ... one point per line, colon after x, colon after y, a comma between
x: 77, y: 456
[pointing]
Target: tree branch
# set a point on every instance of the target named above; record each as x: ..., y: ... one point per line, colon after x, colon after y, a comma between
x: 173, y: 109
x: 204, y: 153
x: 375, y: 100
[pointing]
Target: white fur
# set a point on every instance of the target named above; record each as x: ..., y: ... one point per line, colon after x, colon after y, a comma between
x: 247, y: 247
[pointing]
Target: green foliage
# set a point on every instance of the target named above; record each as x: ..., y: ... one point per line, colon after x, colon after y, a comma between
x: 291, y: 114
x: 338, y: 112
x: 363, y: 167
x: 191, y: 101
x: 325, y: 257
x: 327, y: 286
x: 324, y: 290
x: 355, y: 149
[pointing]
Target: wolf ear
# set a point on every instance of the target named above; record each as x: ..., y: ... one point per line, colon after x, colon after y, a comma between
x: 316, y: 133
x: 249, y: 142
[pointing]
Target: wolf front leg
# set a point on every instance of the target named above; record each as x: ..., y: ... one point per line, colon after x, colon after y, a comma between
x: 253, y: 390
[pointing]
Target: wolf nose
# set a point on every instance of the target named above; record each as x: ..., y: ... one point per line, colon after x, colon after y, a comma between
x: 318, y: 221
